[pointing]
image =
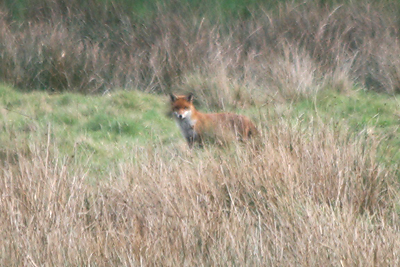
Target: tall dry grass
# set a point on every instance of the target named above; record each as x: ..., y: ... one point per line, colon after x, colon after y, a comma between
x: 285, y: 52
x: 304, y: 198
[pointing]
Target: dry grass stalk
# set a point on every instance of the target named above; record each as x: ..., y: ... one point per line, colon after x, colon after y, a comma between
x: 307, y: 44
x: 304, y: 198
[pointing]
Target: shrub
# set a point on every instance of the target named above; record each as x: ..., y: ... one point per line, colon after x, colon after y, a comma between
x: 285, y: 50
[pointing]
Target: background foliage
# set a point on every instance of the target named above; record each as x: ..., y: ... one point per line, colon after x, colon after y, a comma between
x: 96, y: 46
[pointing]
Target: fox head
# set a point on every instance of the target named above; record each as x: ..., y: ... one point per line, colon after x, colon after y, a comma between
x: 182, y: 106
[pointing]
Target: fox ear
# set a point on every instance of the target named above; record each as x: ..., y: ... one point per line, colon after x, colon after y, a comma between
x: 173, y: 97
x: 190, y: 97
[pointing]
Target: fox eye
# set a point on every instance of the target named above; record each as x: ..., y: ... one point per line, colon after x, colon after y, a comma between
x: 186, y: 108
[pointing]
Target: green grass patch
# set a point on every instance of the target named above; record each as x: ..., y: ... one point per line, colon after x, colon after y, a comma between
x: 102, y: 131
x: 362, y: 111
x: 99, y: 130
x: 146, y: 10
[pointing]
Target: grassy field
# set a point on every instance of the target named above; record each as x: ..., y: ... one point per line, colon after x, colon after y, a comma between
x: 94, y: 171
x: 109, y: 180
x: 363, y: 112
x: 101, y: 130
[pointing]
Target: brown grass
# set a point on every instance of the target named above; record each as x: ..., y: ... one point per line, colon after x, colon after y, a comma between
x: 283, y: 52
x: 304, y: 198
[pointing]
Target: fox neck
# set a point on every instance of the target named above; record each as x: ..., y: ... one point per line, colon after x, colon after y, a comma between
x: 187, y: 125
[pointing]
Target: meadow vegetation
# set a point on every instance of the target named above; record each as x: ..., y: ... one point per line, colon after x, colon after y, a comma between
x: 94, y: 172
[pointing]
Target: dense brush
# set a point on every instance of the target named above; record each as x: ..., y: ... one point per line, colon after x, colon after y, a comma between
x: 65, y: 46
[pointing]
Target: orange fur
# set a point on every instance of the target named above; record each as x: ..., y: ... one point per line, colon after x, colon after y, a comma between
x: 196, y: 126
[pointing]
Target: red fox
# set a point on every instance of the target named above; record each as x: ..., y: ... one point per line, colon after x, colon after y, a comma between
x: 195, y: 126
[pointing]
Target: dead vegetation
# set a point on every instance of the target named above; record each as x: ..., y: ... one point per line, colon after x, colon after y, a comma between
x: 287, y: 51
x: 308, y: 199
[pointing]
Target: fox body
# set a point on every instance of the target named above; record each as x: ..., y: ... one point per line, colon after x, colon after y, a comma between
x: 196, y: 126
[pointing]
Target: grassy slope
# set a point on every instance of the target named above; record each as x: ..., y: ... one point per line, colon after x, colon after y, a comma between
x: 305, y: 193
x: 103, y: 130
x: 100, y: 128
x: 360, y: 110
